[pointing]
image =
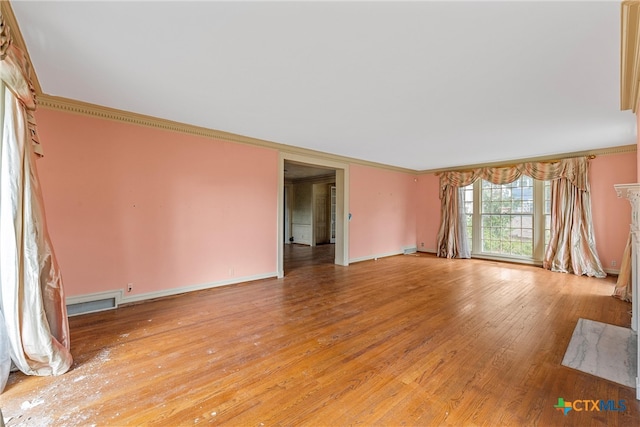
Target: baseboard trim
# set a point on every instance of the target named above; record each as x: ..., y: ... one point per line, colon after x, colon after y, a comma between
x: 120, y: 298
x: 609, y: 271
x: 612, y: 272
x: 375, y: 257
x: 198, y: 287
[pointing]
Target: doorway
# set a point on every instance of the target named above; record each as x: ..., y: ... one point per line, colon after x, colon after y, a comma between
x: 322, y: 215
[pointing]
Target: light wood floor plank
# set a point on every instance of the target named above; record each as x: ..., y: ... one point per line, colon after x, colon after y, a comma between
x: 405, y: 340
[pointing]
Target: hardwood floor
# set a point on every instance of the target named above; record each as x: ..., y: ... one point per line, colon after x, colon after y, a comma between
x: 300, y: 256
x: 405, y: 340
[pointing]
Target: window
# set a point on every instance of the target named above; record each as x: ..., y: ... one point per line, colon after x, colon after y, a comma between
x: 507, y: 217
x: 547, y: 212
x: 508, y: 220
x: 467, y: 194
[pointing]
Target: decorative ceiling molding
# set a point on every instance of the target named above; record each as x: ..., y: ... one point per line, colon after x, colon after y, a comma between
x: 592, y: 153
x: 630, y: 55
x: 83, y: 108
x: 630, y: 95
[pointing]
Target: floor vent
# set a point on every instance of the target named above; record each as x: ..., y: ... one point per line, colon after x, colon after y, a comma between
x: 93, y: 303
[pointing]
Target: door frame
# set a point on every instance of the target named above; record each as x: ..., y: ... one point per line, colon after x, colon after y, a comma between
x: 342, y: 205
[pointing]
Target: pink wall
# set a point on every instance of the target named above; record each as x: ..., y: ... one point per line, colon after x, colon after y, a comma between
x: 611, y: 215
x: 428, y: 212
x: 383, y: 208
x: 163, y: 210
x: 160, y: 209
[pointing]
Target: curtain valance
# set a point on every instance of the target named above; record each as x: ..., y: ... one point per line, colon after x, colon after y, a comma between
x: 574, y: 169
x: 15, y: 73
x: 571, y: 246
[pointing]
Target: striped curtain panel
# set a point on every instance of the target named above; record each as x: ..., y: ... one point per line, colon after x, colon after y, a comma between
x: 572, y: 247
x: 452, y: 236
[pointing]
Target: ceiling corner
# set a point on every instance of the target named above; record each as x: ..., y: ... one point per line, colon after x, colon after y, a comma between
x: 10, y: 20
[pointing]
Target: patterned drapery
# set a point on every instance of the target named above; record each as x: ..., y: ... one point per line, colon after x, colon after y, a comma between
x: 452, y: 236
x: 574, y: 169
x: 572, y: 248
x: 573, y: 242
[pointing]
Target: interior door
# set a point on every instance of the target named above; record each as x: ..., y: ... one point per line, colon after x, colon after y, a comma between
x: 332, y: 238
x: 320, y: 219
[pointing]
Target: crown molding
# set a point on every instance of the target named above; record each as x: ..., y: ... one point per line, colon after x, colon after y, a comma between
x: 83, y: 108
x: 629, y: 82
x: 591, y: 153
x: 629, y: 55
x: 87, y: 109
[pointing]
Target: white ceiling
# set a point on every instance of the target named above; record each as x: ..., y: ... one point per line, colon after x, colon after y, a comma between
x: 419, y: 84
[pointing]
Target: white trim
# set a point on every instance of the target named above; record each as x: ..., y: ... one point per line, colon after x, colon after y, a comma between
x: 120, y: 299
x: 611, y: 271
x: 198, y: 287
x: 342, y: 205
x: 515, y: 261
x: 537, y: 216
x: 504, y: 258
x: 375, y: 257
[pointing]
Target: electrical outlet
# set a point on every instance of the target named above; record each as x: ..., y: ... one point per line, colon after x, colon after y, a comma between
x: 422, y: 244
x: 613, y: 263
x: 129, y: 287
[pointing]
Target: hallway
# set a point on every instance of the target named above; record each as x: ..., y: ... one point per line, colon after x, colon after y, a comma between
x: 300, y: 256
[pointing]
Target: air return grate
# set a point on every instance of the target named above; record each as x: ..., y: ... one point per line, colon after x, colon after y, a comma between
x: 93, y: 303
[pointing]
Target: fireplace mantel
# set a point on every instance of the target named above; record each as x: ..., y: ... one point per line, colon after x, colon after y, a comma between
x: 631, y: 192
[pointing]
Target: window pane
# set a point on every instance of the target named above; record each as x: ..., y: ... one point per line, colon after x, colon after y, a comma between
x: 547, y: 212
x: 507, y: 217
x: 467, y: 194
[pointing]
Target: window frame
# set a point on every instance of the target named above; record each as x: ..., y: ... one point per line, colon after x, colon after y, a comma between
x: 538, y: 225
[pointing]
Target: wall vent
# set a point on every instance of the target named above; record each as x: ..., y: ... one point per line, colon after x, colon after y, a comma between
x: 93, y: 303
x: 408, y: 251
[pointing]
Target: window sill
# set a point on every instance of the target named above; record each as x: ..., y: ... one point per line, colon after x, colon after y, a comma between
x: 507, y: 258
